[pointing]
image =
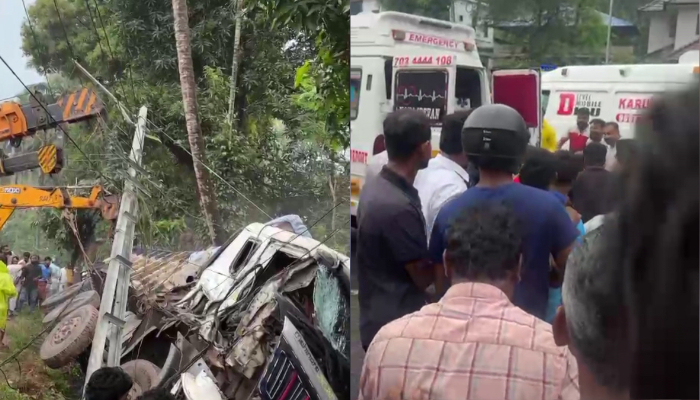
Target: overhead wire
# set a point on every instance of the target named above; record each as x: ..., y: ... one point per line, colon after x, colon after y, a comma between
x: 41, y: 104
x: 211, y: 170
x: 36, y: 43
x: 109, y: 47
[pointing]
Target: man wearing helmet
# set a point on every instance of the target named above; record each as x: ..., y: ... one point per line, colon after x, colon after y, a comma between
x: 495, y: 137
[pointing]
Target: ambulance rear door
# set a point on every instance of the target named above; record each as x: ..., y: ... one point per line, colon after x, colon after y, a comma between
x: 520, y: 89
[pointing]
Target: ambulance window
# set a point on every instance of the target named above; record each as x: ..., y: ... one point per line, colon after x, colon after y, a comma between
x: 424, y: 90
x: 544, y: 101
x: 388, y: 72
x: 355, y: 86
x: 468, y: 88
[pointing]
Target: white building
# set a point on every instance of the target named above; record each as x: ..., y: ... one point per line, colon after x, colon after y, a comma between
x: 465, y: 11
x: 674, y: 29
x: 358, y: 6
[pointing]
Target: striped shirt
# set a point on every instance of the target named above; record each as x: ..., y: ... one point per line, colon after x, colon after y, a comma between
x: 473, y: 344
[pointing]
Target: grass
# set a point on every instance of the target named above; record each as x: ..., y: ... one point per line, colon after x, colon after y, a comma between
x: 34, y: 381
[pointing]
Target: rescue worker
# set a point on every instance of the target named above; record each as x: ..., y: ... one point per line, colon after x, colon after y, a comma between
x: 549, y: 136
x: 7, y: 292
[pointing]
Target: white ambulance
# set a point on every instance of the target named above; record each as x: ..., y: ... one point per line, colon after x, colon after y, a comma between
x: 407, y: 61
x: 613, y: 93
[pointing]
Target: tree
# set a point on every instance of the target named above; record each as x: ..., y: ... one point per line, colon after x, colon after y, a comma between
x: 207, y: 196
x: 277, y: 153
x: 438, y: 9
x: 236, y: 59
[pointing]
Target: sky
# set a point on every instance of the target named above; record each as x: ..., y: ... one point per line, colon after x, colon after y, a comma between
x: 11, y: 18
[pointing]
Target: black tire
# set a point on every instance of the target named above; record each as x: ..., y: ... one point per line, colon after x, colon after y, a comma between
x: 69, y: 338
x: 57, y: 299
x: 79, y: 300
x: 143, y: 372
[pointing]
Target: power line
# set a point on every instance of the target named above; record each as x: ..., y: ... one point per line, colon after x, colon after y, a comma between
x: 99, y: 43
x: 65, y: 32
x: 210, y: 169
x: 36, y: 43
x: 55, y: 122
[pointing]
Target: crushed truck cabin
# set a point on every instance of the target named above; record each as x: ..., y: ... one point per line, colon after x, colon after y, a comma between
x: 265, y: 316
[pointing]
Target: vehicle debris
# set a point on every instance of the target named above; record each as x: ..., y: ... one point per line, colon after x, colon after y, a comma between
x: 265, y: 316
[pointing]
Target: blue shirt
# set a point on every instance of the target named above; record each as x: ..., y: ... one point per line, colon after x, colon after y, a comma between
x: 45, y: 272
x: 547, y: 231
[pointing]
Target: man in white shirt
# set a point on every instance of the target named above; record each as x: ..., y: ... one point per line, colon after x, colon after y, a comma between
x: 594, y: 131
x: 55, y: 282
x: 375, y: 165
x: 612, y: 136
x: 446, y: 176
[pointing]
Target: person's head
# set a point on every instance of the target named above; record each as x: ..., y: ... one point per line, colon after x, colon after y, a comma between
x: 484, y: 245
x: 591, y: 320
x: 15, y: 260
x: 156, y: 394
x: 583, y: 115
x: 596, y: 132
x: 35, y: 259
x: 567, y: 168
x: 108, y: 383
x: 407, y: 138
x: 47, y: 261
x: 26, y: 256
x: 611, y: 133
x: 594, y: 155
x: 5, y: 249
x: 451, y: 137
x: 656, y: 244
x: 494, y: 138
x: 539, y: 169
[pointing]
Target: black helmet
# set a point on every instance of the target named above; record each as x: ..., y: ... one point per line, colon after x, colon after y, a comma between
x: 495, y: 137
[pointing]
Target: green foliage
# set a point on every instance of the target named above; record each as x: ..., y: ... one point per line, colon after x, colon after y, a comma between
x: 565, y: 32
x: 282, y: 152
x: 438, y: 9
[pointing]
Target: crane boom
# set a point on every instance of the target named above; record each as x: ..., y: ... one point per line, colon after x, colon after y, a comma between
x: 18, y: 121
x: 13, y: 197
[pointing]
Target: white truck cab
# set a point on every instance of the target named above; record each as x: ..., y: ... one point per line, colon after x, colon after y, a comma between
x: 613, y: 93
x: 407, y: 61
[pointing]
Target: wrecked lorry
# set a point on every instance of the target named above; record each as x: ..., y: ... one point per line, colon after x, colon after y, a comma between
x: 264, y: 316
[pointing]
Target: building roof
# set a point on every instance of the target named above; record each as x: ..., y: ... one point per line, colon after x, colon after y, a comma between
x: 660, y: 5
x: 605, y: 18
x: 666, y: 54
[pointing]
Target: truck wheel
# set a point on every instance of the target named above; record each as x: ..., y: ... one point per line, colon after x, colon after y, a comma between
x: 143, y: 372
x: 68, y: 339
x: 79, y: 300
x: 58, y: 298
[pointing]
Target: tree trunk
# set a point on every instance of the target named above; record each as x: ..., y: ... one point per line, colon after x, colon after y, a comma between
x: 235, y: 62
x: 207, y: 195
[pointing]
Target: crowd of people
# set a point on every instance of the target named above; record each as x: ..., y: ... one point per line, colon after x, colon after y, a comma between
x: 560, y: 274
x: 25, y: 282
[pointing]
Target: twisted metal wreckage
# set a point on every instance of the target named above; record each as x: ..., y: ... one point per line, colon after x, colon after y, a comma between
x: 265, y: 316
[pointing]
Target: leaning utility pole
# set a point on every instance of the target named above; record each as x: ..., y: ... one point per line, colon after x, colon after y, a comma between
x: 116, y: 285
x: 207, y: 195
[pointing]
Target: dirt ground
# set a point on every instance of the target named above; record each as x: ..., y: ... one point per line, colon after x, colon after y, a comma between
x: 28, y: 378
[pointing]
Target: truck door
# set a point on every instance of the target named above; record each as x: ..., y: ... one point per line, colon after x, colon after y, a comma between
x: 425, y: 83
x: 520, y: 89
